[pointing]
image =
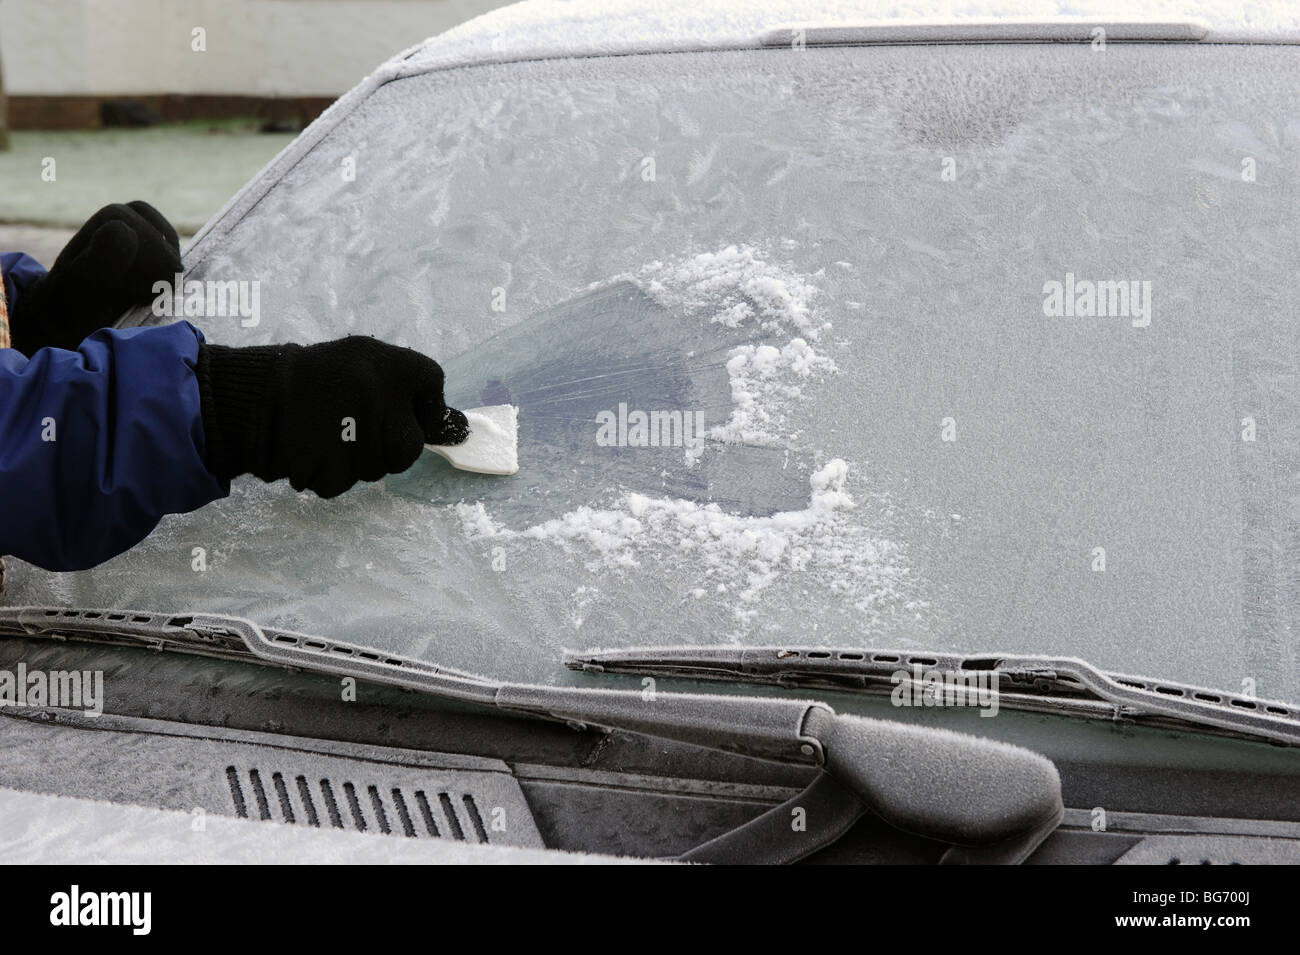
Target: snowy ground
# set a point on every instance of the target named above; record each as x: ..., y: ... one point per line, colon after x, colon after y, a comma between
x: 188, y: 171
x: 40, y: 242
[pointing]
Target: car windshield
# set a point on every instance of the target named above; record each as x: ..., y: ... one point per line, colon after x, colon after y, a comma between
x: 968, y: 348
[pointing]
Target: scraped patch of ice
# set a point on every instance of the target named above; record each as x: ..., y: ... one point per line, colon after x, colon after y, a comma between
x: 733, y: 554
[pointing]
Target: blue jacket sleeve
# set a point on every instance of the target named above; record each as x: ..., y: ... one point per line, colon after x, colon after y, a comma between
x: 19, y: 270
x: 98, y: 444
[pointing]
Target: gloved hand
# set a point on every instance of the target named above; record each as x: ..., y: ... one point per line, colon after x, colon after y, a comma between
x: 110, y: 265
x: 278, y: 411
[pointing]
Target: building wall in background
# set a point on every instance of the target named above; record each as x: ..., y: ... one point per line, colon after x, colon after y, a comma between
x: 62, y: 58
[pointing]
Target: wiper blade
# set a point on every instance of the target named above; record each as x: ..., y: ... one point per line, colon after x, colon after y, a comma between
x: 1041, y: 683
x: 191, y: 633
x: 994, y: 802
x: 234, y: 638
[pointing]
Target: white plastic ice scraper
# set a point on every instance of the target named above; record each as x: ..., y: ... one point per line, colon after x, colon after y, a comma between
x: 492, y: 446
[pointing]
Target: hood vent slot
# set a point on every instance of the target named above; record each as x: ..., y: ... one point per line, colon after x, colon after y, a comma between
x: 358, y: 806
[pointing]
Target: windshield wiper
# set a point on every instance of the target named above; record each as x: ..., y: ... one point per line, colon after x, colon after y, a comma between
x: 235, y: 638
x: 188, y: 633
x: 993, y: 802
x: 1041, y: 683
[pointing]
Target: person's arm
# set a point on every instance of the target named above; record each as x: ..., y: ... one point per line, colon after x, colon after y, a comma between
x: 96, y: 445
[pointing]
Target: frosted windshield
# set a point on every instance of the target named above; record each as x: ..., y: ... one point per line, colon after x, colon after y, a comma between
x: 962, y: 348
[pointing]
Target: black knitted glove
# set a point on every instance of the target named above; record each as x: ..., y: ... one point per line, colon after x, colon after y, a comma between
x: 110, y: 265
x: 323, y: 416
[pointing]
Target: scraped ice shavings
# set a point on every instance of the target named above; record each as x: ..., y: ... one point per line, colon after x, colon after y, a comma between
x: 763, y: 380
x: 736, y: 286
x: 735, y: 554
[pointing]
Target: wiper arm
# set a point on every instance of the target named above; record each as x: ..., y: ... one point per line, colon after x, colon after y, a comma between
x: 1042, y: 683
x: 993, y: 801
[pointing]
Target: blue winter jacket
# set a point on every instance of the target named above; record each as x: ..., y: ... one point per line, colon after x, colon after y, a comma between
x: 97, y: 444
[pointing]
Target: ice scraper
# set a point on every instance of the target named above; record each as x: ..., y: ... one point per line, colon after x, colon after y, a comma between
x: 492, y: 446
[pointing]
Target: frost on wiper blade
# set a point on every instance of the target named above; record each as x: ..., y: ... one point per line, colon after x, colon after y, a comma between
x: 201, y: 634
x: 1043, y: 683
x: 235, y: 638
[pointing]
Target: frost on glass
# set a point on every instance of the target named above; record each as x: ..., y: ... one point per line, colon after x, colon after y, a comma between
x: 833, y: 261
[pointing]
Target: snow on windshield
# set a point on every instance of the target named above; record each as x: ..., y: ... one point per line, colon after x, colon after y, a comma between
x: 789, y: 365
x: 737, y: 556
